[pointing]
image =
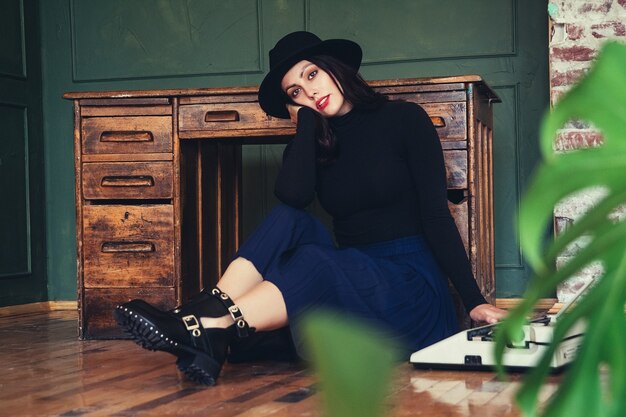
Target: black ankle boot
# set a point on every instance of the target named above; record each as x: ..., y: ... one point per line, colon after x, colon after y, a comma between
x: 201, y: 352
x: 204, y: 304
x: 274, y: 345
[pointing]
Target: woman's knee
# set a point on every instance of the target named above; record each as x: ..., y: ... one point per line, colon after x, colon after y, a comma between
x: 285, y: 212
x: 294, y: 219
x: 310, y: 253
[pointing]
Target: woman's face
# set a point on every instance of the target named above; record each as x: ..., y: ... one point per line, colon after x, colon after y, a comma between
x: 310, y: 86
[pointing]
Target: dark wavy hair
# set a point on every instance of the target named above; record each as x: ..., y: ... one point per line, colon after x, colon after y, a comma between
x: 355, y: 90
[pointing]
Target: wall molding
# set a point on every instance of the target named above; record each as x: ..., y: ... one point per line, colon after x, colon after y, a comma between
x: 513, y: 50
x: 76, y: 78
x: 29, y: 248
x: 22, y: 75
x: 515, y: 89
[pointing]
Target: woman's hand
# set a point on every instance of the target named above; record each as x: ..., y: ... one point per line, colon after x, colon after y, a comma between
x: 487, y: 313
x: 293, y: 112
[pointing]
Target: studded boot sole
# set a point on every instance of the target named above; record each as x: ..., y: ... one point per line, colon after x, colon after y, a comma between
x: 157, y: 330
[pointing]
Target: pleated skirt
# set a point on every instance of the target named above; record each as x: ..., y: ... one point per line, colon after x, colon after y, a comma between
x: 395, y: 285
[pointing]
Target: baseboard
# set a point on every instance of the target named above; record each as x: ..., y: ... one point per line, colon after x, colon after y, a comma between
x: 42, y: 307
x: 558, y: 306
x: 510, y: 303
x: 63, y: 305
x: 549, y: 305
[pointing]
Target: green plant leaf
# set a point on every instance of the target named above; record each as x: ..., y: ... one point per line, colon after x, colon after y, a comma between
x: 595, y: 384
x: 354, y: 362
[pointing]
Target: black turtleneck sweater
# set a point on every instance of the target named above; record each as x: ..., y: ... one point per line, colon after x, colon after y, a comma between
x: 388, y: 181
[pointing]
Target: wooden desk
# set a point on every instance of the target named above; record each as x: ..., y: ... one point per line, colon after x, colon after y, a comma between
x: 158, y: 185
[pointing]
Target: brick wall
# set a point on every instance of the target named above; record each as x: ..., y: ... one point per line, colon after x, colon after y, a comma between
x: 578, y: 28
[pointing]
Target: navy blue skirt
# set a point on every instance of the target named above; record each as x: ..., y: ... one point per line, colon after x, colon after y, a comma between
x: 396, y: 284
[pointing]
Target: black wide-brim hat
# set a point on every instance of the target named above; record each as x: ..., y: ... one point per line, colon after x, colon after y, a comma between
x: 293, y: 48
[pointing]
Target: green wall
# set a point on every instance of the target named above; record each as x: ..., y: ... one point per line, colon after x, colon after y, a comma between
x: 152, y: 44
x: 22, y: 224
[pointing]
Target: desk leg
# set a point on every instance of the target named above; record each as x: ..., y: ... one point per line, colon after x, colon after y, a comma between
x: 230, y: 200
x: 219, y: 207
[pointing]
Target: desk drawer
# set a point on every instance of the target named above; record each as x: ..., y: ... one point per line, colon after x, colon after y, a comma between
x: 456, y: 169
x: 449, y: 117
x: 127, y: 180
x: 227, y: 116
x: 99, y: 303
x: 460, y: 214
x: 128, y: 246
x: 114, y: 135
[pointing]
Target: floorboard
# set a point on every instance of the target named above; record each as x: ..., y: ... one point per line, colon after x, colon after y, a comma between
x: 47, y: 371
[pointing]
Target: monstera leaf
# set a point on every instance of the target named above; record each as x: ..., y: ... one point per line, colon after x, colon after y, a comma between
x: 354, y: 362
x: 595, y: 384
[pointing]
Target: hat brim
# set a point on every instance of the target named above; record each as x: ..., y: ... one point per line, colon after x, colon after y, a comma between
x: 271, y: 96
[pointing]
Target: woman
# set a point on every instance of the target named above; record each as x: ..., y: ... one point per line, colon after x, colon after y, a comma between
x: 377, y: 167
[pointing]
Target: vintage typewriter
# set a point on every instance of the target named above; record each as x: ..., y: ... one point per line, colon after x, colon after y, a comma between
x: 473, y: 349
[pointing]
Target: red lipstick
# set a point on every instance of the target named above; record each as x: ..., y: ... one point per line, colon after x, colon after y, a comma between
x: 322, y: 102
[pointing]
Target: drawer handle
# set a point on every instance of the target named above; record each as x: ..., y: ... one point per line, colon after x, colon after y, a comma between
x: 438, y: 121
x: 126, y: 136
x: 128, y: 247
x: 222, y: 116
x: 128, y: 181
x: 457, y: 197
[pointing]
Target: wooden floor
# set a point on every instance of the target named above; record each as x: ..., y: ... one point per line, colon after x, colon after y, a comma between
x: 46, y: 371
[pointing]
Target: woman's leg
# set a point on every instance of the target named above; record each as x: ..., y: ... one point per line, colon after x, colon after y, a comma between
x: 283, y: 230
x: 263, y: 308
x: 201, y: 350
x: 240, y: 277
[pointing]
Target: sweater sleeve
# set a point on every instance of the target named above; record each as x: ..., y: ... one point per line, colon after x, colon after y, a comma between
x: 429, y: 175
x: 295, y: 183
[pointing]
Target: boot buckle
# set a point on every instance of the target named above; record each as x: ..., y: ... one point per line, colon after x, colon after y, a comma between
x: 192, y: 325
